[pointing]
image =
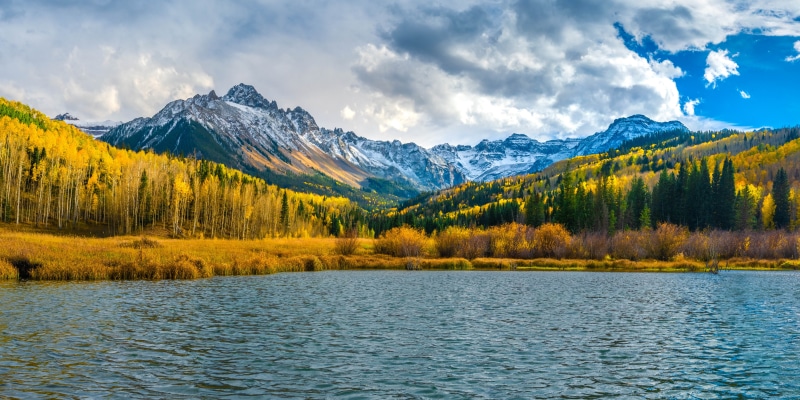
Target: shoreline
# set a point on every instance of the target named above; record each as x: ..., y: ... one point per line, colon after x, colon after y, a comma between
x: 48, y: 257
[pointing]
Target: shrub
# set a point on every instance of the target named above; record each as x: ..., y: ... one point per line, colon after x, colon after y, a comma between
x: 401, y: 242
x: 665, y: 241
x: 476, y: 246
x: 450, y: 242
x: 551, y: 240
x: 771, y: 245
x: 143, y: 243
x: 509, y: 241
x: 346, y: 244
x: 182, y: 267
x: 697, y: 247
x: 595, y: 245
x: 629, y: 245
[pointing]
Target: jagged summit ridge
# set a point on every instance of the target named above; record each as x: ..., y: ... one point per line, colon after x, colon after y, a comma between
x: 623, y: 129
x: 245, y: 130
x: 519, y: 154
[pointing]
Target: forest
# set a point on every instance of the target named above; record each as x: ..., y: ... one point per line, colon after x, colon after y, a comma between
x: 702, y: 181
x: 697, y: 185
x: 53, y: 176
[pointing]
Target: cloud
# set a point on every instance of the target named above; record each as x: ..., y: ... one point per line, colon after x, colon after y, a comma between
x: 796, y: 49
x: 688, y: 107
x: 694, y: 25
x: 347, y: 113
x: 524, y: 69
x: 431, y: 72
x: 744, y: 94
x: 719, y: 66
x: 121, y: 60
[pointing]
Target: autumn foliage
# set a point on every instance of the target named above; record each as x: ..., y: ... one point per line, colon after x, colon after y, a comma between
x: 54, y: 176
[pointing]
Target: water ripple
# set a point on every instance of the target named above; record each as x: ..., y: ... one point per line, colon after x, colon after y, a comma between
x: 394, y: 334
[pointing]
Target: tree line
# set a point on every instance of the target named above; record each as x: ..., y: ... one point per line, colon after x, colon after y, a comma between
x: 726, y: 180
x: 53, y: 175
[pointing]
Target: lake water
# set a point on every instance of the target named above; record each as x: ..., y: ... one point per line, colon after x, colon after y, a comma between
x: 398, y: 334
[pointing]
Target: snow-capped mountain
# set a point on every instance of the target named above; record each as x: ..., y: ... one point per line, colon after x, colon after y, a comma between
x: 246, y: 131
x: 518, y: 154
x: 515, y: 155
x: 94, y: 128
x: 623, y: 129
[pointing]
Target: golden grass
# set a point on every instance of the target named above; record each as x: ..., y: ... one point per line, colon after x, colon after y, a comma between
x: 40, y: 256
x: 7, y: 271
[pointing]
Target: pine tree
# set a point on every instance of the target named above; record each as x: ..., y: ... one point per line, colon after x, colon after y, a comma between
x: 285, y: 213
x: 724, y: 198
x: 534, y: 210
x: 780, y: 196
x: 637, y: 201
x: 745, y: 210
x: 565, y: 207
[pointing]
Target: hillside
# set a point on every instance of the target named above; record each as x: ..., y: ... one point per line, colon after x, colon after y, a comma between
x: 53, y: 176
x: 718, y: 180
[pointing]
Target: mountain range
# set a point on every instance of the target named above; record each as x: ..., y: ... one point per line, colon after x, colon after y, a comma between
x: 244, y: 130
x: 94, y: 128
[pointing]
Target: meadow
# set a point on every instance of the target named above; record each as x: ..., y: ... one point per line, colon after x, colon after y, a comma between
x: 36, y: 255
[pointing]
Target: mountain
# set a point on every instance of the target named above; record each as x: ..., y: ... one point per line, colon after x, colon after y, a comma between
x: 518, y: 154
x: 515, y: 155
x: 94, y: 128
x: 623, y: 129
x: 731, y: 178
x: 244, y: 130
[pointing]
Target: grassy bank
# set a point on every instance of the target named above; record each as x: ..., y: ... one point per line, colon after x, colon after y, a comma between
x: 39, y: 256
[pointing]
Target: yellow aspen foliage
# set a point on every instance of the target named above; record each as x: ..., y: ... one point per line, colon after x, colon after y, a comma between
x: 768, y: 212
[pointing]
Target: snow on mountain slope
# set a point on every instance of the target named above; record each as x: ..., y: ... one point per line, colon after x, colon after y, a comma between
x: 94, y: 128
x: 623, y: 129
x: 246, y: 130
x: 518, y: 154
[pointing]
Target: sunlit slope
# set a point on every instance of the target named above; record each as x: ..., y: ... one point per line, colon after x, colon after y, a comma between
x: 53, y: 175
x: 642, y: 163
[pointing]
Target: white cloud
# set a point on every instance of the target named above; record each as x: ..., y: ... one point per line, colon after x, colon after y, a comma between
x: 744, y: 94
x: 456, y: 71
x: 501, y: 79
x: 688, y: 107
x: 719, y: 66
x: 797, y: 49
x: 347, y: 113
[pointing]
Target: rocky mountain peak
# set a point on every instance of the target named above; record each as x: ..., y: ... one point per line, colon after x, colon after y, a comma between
x: 247, y: 95
x: 65, y: 117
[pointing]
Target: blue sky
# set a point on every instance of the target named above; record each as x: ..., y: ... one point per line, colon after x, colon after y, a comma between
x: 762, y: 92
x: 426, y: 71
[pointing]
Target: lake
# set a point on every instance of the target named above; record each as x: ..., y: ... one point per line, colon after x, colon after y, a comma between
x: 399, y: 334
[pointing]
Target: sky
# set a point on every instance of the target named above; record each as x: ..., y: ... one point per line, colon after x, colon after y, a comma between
x: 419, y: 71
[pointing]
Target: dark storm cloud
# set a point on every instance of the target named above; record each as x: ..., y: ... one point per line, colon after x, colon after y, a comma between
x: 552, y: 19
x: 432, y: 34
x: 676, y: 24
